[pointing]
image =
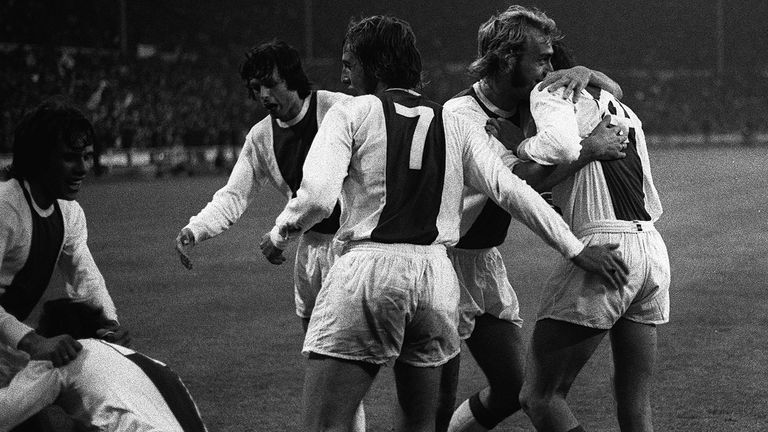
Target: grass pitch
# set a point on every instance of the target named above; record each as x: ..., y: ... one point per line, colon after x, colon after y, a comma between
x: 228, y: 326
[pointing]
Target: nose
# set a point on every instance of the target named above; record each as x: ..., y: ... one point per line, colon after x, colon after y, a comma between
x: 345, y: 77
x: 81, y: 166
x: 265, y: 93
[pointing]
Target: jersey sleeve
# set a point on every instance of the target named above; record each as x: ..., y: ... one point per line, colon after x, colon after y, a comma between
x: 230, y: 202
x: 11, y: 329
x: 83, y: 280
x: 557, y: 139
x: 324, y: 169
x: 32, y: 389
x: 485, y: 171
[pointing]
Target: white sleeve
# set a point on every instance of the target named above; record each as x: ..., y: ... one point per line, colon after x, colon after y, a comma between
x: 83, y: 279
x: 32, y: 389
x: 485, y: 171
x: 11, y: 329
x: 230, y: 202
x: 324, y: 170
x: 557, y: 138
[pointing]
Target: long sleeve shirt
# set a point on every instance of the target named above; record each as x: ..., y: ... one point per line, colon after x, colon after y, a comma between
x: 622, y: 189
x: 273, y: 153
x: 407, y: 187
x: 101, y: 389
x: 84, y: 282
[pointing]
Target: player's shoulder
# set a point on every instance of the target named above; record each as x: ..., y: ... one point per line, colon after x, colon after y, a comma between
x: 328, y: 98
x: 71, y: 211
x: 261, y: 129
x: 11, y: 199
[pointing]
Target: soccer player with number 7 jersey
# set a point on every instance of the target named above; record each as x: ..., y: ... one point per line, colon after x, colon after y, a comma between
x: 399, y: 163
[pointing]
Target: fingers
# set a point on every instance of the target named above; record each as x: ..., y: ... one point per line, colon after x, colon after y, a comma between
x: 183, y: 242
x: 65, y: 351
x: 184, y: 258
x: 569, y: 90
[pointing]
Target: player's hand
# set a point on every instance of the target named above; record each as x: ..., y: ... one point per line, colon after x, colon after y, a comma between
x: 273, y: 254
x: 505, y: 131
x: 184, y: 243
x: 606, y: 262
x: 605, y: 142
x: 60, y: 350
x: 574, y: 80
x: 112, y: 331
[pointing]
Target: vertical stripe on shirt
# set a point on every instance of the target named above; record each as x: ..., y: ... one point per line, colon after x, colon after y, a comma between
x: 624, y: 178
x: 415, y: 170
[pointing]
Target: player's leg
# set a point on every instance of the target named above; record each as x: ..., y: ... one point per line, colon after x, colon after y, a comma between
x: 497, y: 346
x: 333, y: 390
x: 558, y: 352
x: 417, y: 396
x: 634, y: 356
x: 449, y: 382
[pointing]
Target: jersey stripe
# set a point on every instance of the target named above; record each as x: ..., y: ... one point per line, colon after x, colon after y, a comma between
x: 624, y: 178
x: 173, y: 391
x: 291, y: 146
x: 413, y: 196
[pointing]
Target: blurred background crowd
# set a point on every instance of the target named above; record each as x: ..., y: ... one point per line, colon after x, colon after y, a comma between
x: 165, y: 74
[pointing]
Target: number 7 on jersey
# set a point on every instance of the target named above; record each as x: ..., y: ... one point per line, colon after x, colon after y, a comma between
x: 425, y: 116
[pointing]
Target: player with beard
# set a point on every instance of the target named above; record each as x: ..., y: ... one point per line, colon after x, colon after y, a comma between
x: 42, y: 227
x: 399, y: 162
x: 514, y: 49
x: 603, y: 202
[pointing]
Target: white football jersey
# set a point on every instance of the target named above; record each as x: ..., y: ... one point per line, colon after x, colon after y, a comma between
x: 621, y: 189
x: 400, y: 163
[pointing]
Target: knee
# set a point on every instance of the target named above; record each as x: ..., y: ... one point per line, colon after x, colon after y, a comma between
x: 533, y: 403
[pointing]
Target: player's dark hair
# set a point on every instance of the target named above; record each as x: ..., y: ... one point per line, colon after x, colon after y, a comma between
x: 501, y: 40
x: 562, y: 56
x: 260, y: 62
x: 41, y: 130
x: 64, y: 316
x: 385, y: 46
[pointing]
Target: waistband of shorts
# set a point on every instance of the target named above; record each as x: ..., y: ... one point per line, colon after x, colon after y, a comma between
x: 318, y: 235
x: 614, y: 226
x: 396, y: 248
x: 473, y: 252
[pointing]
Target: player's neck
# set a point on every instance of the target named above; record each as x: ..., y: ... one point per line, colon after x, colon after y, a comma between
x: 500, y: 93
x: 39, y: 195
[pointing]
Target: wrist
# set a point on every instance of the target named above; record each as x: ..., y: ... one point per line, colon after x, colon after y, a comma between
x: 28, y: 342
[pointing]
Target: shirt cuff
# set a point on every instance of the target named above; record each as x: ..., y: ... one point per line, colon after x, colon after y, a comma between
x: 279, y: 241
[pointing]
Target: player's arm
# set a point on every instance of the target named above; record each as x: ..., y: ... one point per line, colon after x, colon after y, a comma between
x: 324, y: 171
x: 576, y: 79
x: 230, y: 202
x: 558, y: 142
x: 485, y: 172
x: 14, y: 333
x: 83, y: 280
x: 33, y: 388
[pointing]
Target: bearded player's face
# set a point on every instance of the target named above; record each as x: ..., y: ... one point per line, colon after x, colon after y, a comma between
x: 534, y: 63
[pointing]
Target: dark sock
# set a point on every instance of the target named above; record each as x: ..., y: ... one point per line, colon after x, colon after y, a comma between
x: 483, y: 415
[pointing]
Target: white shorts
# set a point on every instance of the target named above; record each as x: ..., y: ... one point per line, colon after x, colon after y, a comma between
x: 575, y: 296
x: 314, y: 258
x: 387, y: 302
x: 485, y: 288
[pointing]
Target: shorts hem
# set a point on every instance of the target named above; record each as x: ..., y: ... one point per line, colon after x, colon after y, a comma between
x: 648, y: 322
x: 379, y: 362
x: 431, y: 364
x: 576, y: 321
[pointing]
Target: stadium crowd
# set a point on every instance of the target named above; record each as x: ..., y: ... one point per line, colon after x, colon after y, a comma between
x: 170, y: 100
